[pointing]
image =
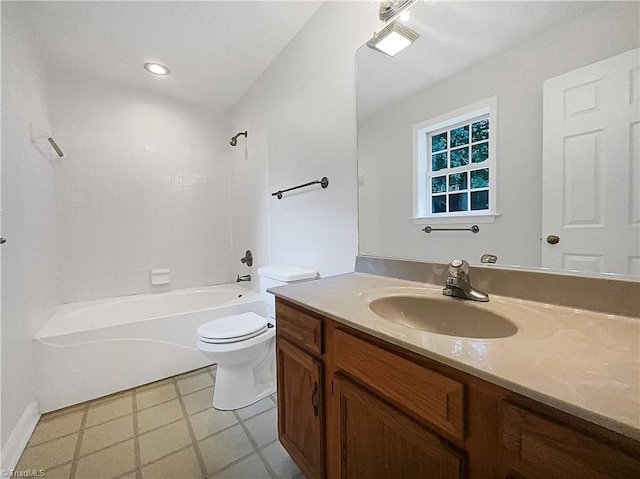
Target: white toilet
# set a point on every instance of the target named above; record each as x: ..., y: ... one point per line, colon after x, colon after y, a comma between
x: 243, y: 345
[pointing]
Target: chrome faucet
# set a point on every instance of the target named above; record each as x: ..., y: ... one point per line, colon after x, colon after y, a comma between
x: 458, y: 284
x: 240, y: 279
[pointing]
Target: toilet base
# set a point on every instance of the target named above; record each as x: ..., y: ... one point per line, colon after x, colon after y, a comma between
x: 238, y: 387
x: 246, y: 370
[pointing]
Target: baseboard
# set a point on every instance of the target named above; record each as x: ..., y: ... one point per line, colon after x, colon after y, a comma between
x: 19, y: 437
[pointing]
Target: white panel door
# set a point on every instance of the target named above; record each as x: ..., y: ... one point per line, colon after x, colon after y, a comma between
x: 591, y: 168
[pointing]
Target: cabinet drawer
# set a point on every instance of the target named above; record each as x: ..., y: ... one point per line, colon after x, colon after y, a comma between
x: 535, y: 446
x: 301, y: 329
x: 432, y: 396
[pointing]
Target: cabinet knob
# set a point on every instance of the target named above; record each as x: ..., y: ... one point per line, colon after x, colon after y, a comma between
x: 553, y: 239
x: 3, y: 240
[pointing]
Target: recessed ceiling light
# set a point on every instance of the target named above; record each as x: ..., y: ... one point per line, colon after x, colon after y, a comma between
x: 156, y: 68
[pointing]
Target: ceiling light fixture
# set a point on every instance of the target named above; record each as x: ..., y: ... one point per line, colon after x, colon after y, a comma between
x: 405, y: 16
x: 390, y: 8
x: 393, y: 38
x: 156, y: 68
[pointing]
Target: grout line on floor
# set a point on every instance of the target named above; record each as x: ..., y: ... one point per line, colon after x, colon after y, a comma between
x: 115, y: 418
x: 255, y: 444
x: 43, y: 443
x: 105, y: 447
x: 194, y: 443
x: 231, y: 464
x: 266, y: 464
x: 126, y: 475
x: 268, y: 444
x: 56, y: 467
x: 136, y: 436
x: 161, y: 426
x: 58, y: 413
x: 158, y: 459
x: 76, y: 454
x: 154, y: 405
x: 111, y: 397
x: 225, y: 429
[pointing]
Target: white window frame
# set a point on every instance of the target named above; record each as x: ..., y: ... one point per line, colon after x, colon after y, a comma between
x: 422, y: 159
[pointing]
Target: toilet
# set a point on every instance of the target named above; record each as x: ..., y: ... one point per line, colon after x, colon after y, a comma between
x: 243, y: 345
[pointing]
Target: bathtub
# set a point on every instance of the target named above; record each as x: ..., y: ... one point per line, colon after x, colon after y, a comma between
x: 94, y: 348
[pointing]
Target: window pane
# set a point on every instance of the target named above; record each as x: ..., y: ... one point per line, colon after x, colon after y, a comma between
x: 480, y: 130
x: 458, y: 181
x: 480, y: 178
x: 480, y: 152
x: 459, y: 157
x: 439, y: 184
x: 458, y: 202
x: 439, y: 142
x: 438, y: 161
x: 439, y: 204
x: 480, y: 200
x: 460, y: 136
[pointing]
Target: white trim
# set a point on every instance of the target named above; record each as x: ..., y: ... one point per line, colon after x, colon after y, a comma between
x: 19, y: 437
x: 455, y: 220
x: 488, y: 106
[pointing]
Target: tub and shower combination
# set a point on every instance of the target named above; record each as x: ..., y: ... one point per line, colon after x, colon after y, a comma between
x: 94, y: 348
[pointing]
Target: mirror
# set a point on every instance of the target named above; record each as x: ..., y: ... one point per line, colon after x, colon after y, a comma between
x: 559, y: 83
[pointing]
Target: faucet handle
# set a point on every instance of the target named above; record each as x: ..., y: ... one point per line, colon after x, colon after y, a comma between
x: 459, y: 268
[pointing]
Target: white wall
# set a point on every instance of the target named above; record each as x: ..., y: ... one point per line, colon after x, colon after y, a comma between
x: 516, y: 77
x: 144, y: 185
x: 28, y: 217
x: 301, y: 120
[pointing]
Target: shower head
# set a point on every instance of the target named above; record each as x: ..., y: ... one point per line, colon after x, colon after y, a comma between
x: 234, y: 140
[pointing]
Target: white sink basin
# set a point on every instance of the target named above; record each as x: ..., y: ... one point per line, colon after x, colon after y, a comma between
x: 446, y: 316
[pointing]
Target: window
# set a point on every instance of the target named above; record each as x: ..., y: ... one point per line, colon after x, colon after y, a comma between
x: 455, y: 165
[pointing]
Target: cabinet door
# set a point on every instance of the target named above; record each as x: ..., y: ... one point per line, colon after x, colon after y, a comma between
x: 534, y: 446
x: 301, y: 408
x: 377, y: 441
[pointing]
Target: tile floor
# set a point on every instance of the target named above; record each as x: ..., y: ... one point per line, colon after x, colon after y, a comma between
x: 163, y: 430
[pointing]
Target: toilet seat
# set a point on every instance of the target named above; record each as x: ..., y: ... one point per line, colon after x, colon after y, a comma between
x: 232, y: 329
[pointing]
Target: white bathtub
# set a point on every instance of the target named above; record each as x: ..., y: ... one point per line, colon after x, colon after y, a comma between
x: 94, y: 348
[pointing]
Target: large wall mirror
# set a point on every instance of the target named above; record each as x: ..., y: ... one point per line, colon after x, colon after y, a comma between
x: 522, y: 118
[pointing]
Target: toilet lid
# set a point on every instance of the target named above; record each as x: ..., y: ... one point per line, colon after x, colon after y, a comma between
x: 232, y: 328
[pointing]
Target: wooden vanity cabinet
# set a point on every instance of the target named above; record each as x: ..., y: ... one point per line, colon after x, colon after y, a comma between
x: 301, y: 393
x: 352, y: 406
x: 301, y: 407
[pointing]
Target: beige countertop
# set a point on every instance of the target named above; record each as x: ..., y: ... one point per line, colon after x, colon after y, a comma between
x: 581, y: 362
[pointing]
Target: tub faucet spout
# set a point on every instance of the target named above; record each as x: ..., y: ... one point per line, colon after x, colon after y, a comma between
x: 240, y: 279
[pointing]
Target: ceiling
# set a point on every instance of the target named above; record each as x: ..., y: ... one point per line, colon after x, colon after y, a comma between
x: 454, y: 36
x: 215, y: 49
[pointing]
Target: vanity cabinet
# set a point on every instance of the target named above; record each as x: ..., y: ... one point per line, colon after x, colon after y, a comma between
x: 353, y: 406
x: 301, y: 393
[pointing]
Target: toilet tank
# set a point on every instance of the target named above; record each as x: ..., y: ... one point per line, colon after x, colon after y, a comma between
x: 272, y: 276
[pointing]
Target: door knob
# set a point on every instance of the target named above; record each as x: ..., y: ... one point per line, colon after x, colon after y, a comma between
x: 553, y: 239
